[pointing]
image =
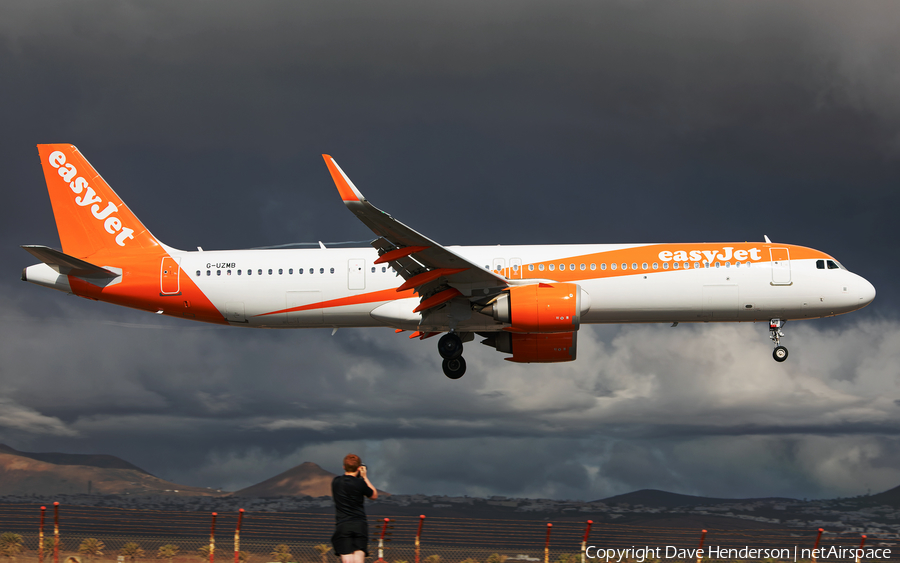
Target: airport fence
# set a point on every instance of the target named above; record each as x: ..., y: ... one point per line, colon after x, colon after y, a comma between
x: 106, y: 535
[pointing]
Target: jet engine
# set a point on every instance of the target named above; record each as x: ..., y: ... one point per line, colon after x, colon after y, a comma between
x: 534, y: 348
x: 540, y: 308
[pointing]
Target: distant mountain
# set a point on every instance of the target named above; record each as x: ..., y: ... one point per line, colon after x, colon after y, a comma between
x: 306, y: 479
x: 663, y: 499
x: 91, y: 460
x: 24, y: 473
x: 890, y: 497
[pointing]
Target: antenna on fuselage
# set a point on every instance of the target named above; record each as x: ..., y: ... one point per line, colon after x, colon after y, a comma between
x: 767, y: 239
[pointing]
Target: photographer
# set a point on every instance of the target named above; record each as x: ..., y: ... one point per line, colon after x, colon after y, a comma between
x: 351, y: 534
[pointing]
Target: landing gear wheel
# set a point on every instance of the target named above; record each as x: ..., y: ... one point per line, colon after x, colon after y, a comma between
x: 450, y: 347
x: 454, y: 368
x: 780, y: 354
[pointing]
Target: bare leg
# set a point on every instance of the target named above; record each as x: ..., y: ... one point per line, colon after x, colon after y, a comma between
x: 348, y: 558
x: 359, y: 557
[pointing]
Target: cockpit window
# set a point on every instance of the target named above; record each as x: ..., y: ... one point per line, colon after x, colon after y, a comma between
x: 832, y: 265
x: 820, y: 264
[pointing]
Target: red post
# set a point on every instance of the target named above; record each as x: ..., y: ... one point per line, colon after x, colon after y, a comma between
x: 702, y: 537
x: 381, y: 540
x: 55, y: 532
x: 237, y: 537
x: 816, y: 547
x: 547, y: 544
x: 41, y: 537
x: 419, y: 535
x: 587, y: 532
x: 212, y: 539
x: 860, y: 552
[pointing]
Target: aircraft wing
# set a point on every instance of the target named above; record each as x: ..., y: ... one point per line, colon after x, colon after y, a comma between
x: 423, y: 263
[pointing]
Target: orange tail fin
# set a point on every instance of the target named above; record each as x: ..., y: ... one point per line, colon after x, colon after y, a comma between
x: 90, y: 217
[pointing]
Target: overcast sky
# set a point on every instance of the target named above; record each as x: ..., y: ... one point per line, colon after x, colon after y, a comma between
x: 513, y: 122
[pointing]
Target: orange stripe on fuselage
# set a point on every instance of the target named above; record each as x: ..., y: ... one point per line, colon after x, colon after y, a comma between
x: 361, y: 299
x: 140, y: 288
x: 649, y: 254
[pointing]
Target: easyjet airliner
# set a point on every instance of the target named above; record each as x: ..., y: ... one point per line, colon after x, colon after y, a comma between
x: 527, y: 301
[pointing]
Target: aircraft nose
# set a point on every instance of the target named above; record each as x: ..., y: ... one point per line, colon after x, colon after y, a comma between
x: 866, y: 292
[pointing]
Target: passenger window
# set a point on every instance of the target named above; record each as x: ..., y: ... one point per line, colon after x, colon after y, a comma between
x: 228, y: 273
x: 249, y: 272
x: 696, y: 264
x: 531, y: 267
x: 593, y: 266
x: 624, y: 266
x: 727, y: 264
x: 218, y: 272
x: 634, y: 265
x: 270, y: 271
x: 290, y: 271
x: 332, y: 270
x: 550, y: 267
x: 207, y: 272
x: 676, y: 265
x: 321, y: 270
x: 198, y: 272
x: 541, y: 267
x: 832, y: 265
x: 644, y: 266
x: 572, y: 267
x: 383, y: 269
x: 562, y: 267
x: 373, y: 269
x: 820, y: 264
x: 515, y: 267
x: 656, y: 265
x: 239, y: 272
x: 665, y: 265
x: 582, y: 267
x: 299, y: 270
x: 259, y: 272
x: 280, y: 271
x: 717, y: 264
x: 613, y: 266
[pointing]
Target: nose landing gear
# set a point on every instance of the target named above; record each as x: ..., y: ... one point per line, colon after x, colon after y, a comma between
x: 450, y: 347
x: 776, y: 334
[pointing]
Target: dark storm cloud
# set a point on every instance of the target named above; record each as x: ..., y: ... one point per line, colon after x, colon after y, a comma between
x: 476, y: 123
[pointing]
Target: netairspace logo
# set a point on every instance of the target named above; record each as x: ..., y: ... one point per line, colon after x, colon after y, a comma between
x: 641, y: 554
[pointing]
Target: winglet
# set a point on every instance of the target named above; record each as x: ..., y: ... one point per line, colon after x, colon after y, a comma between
x: 345, y: 187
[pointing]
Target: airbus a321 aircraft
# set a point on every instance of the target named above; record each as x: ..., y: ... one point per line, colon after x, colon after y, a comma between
x: 527, y: 301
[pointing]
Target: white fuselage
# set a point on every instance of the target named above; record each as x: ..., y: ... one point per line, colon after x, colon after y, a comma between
x: 341, y: 287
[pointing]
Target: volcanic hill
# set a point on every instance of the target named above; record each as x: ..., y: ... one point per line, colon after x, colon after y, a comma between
x: 24, y: 473
x: 305, y: 479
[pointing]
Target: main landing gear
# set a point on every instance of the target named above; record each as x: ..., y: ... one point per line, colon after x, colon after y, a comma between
x: 776, y: 334
x: 450, y: 347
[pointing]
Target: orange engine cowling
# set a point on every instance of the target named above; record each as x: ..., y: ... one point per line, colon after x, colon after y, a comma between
x: 541, y: 308
x: 535, y: 348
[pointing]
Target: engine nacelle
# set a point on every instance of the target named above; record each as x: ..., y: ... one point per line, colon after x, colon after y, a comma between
x: 535, y: 348
x: 541, y: 308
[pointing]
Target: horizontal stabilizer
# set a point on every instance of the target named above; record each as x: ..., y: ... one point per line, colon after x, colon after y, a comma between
x: 68, y: 265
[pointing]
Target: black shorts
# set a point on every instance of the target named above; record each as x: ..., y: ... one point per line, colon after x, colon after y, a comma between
x: 349, y: 537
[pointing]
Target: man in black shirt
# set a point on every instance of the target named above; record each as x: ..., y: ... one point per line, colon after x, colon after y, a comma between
x: 351, y: 534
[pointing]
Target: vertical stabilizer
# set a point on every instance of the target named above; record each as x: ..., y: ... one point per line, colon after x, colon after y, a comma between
x: 90, y: 217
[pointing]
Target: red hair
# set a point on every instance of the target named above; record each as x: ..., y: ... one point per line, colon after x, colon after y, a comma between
x: 351, y: 463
